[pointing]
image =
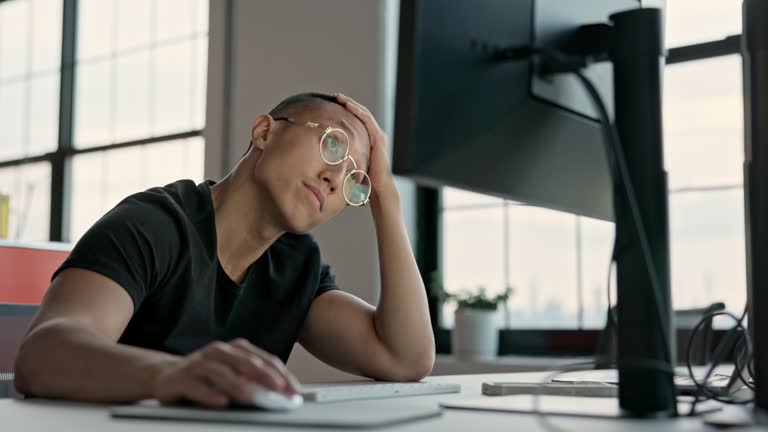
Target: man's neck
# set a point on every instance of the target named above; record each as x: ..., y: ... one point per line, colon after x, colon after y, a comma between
x: 245, y: 225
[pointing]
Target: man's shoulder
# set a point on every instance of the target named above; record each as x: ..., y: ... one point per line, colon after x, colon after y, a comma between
x: 182, y: 198
x: 139, y: 242
x: 179, y: 194
x: 164, y: 212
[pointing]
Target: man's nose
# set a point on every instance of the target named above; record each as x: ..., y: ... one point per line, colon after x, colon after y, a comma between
x: 334, y: 175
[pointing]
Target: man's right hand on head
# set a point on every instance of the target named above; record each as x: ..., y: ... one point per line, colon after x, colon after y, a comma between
x: 223, y: 372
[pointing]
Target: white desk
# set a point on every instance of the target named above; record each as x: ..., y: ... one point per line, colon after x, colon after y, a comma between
x: 44, y: 416
x: 446, y: 364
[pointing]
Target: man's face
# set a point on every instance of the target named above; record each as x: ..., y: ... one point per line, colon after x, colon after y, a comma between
x: 306, y: 190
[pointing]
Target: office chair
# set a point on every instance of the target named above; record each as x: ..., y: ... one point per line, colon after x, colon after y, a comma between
x: 14, y: 320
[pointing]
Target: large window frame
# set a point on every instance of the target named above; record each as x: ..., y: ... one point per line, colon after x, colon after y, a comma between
x: 61, y: 158
x: 566, y: 342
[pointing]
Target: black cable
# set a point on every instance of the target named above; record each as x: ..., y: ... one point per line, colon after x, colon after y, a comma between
x: 619, y: 164
x: 611, y: 135
x: 729, y: 341
x: 749, y: 356
x: 616, y: 154
x: 740, y: 368
x: 553, y: 61
x: 556, y: 62
x: 611, y: 312
x: 589, y: 365
x: 725, y: 346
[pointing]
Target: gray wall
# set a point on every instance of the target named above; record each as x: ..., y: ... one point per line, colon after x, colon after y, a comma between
x: 262, y: 51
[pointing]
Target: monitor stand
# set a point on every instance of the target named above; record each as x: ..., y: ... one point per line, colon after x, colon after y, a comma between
x: 644, y: 312
x: 645, y: 355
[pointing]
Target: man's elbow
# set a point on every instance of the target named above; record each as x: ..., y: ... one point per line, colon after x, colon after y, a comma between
x: 424, y: 366
x: 23, y: 376
x: 31, y: 368
x: 415, y: 369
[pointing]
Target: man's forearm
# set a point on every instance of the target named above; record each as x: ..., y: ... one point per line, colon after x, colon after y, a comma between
x: 402, y: 315
x: 65, y: 359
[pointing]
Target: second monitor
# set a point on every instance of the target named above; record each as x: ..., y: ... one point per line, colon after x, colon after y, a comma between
x: 468, y: 120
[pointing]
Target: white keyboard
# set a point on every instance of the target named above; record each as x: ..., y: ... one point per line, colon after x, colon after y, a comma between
x: 356, y: 391
x: 7, y: 389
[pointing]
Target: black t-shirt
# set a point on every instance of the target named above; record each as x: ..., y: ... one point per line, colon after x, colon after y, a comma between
x: 160, y: 245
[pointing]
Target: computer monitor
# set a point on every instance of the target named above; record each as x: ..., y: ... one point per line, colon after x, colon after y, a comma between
x: 754, y: 50
x: 466, y: 119
x: 495, y: 128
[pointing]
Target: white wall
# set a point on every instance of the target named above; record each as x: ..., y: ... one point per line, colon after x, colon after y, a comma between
x: 278, y: 48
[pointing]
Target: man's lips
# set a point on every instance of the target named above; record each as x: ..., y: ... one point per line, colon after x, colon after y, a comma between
x: 318, y: 195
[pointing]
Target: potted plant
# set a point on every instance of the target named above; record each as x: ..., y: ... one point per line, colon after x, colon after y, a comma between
x: 475, y: 335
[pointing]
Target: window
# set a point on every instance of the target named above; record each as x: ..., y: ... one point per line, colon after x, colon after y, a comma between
x: 29, y: 186
x: 140, y: 74
x: 558, y: 263
x: 473, y: 254
x: 102, y: 179
x: 30, y: 58
x: 132, y: 94
x: 704, y: 152
x: 691, y: 22
x: 140, y: 70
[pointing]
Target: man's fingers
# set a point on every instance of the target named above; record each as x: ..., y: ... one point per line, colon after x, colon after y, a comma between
x: 270, y: 360
x: 374, y: 130
x: 348, y: 100
x: 363, y: 114
x: 252, y: 367
x: 203, y: 393
x: 224, y: 380
x: 198, y: 391
x: 361, y: 111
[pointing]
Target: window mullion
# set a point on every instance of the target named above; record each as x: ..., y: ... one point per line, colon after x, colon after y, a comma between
x: 60, y: 184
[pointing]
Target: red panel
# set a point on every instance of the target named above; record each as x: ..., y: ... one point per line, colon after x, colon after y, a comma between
x: 25, y: 273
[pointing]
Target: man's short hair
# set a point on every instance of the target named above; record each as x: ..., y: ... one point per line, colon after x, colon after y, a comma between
x: 298, y: 104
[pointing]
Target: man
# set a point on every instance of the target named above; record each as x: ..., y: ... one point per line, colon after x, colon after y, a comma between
x: 195, y: 292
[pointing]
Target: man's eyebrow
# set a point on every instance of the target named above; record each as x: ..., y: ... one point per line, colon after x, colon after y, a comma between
x: 346, y: 126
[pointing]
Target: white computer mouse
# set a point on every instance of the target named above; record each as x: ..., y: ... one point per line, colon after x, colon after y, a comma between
x: 274, y: 401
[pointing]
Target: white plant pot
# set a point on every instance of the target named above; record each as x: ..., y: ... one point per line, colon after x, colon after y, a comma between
x: 475, y: 335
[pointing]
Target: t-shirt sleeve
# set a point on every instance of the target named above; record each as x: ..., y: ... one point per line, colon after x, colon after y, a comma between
x: 327, y: 280
x: 134, y: 244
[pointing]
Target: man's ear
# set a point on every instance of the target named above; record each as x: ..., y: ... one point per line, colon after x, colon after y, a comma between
x: 261, y: 131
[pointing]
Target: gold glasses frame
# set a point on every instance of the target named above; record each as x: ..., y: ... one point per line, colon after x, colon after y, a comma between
x: 327, y: 130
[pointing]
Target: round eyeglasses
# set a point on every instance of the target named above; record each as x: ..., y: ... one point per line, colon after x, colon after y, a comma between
x: 334, y: 149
